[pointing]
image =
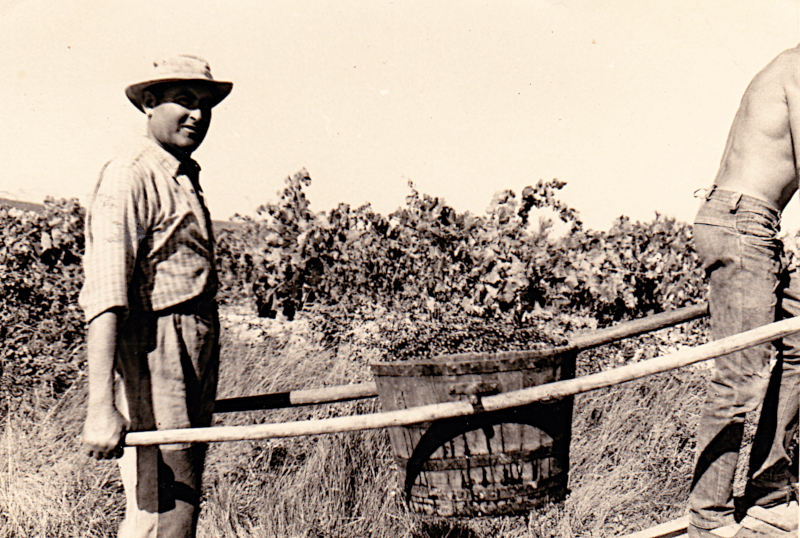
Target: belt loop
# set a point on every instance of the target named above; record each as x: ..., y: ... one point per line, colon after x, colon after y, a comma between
x: 735, y: 202
x: 711, y: 191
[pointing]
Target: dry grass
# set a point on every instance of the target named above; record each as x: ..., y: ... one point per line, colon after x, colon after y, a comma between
x: 630, y: 460
x: 47, y: 487
x: 632, y: 455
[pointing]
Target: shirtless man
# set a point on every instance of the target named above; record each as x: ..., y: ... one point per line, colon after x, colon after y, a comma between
x: 736, y: 236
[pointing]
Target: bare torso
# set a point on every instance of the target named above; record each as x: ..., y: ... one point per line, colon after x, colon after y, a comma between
x: 761, y: 155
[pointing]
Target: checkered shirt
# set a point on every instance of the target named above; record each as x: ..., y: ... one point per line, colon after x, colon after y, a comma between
x: 149, y: 242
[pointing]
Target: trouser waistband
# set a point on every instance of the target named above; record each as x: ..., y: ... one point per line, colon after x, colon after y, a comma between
x: 735, y: 199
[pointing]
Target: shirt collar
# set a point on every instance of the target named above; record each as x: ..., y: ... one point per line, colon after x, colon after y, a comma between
x: 167, y: 160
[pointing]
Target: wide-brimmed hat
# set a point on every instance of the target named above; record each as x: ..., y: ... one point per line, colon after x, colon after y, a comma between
x: 180, y: 69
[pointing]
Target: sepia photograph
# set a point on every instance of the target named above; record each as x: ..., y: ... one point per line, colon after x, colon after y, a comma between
x: 314, y: 268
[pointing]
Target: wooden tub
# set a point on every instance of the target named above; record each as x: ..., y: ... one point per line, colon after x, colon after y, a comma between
x: 491, y: 463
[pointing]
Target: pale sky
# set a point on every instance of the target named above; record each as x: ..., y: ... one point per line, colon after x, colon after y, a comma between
x: 628, y: 101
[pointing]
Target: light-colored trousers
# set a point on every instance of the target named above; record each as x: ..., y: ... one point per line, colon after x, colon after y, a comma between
x: 167, y: 366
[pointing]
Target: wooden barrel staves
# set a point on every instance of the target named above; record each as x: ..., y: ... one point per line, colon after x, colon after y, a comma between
x: 491, y: 463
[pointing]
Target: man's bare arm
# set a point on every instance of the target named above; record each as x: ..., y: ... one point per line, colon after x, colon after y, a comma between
x: 105, y: 426
x: 793, y: 103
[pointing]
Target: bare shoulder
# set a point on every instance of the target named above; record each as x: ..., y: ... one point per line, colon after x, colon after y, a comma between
x: 785, y: 68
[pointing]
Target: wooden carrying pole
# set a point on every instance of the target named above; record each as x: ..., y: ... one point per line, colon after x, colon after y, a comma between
x: 342, y: 393
x: 637, y: 326
x: 415, y: 415
x: 295, y: 398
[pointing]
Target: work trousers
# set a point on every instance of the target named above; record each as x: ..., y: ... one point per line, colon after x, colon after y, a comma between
x: 167, y: 366
x: 736, y: 237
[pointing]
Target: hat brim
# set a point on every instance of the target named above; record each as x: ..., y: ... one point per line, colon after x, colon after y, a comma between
x: 219, y: 89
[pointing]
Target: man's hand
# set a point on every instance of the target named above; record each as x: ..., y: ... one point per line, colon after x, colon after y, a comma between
x: 104, y: 427
x: 103, y: 432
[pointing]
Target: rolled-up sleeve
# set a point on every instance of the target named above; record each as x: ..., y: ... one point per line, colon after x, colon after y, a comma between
x: 114, y: 228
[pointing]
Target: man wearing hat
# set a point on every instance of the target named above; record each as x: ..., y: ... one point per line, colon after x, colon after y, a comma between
x: 148, y: 298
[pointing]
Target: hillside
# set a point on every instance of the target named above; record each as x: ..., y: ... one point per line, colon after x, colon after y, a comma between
x: 19, y: 204
x: 219, y: 225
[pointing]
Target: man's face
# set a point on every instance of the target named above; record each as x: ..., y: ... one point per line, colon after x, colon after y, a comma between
x: 179, y: 116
